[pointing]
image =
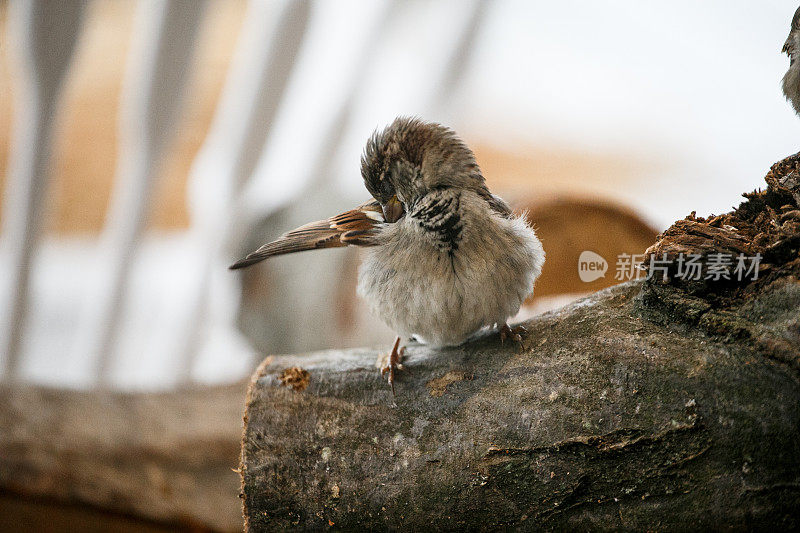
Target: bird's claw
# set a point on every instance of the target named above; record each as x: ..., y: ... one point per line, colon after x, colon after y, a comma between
x: 393, y: 364
x: 391, y: 369
x: 516, y: 334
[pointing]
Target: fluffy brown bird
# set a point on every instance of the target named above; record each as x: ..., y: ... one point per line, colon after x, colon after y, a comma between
x: 445, y: 257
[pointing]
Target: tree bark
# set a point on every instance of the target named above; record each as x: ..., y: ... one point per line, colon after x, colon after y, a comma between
x: 650, y: 405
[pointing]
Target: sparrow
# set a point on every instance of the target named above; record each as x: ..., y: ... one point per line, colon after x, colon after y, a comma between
x: 791, y: 80
x: 444, y: 257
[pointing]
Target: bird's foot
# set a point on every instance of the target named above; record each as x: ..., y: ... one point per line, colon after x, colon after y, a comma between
x: 393, y: 362
x: 516, y: 334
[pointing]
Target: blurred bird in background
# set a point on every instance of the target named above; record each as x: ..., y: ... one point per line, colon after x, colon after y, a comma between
x: 791, y: 80
x: 445, y: 257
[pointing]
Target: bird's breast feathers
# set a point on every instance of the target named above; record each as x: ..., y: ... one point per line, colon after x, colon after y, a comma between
x: 450, y: 267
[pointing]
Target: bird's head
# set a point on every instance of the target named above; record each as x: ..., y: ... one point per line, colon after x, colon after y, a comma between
x: 411, y: 158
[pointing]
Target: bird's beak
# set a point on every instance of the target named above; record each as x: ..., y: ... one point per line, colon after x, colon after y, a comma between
x: 392, y: 210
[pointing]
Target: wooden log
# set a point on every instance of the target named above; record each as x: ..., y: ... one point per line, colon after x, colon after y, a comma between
x: 605, y: 420
x: 161, y: 459
x: 655, y: 404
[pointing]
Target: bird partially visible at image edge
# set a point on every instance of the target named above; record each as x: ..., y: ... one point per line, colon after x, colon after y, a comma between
x: 791, y: 80
x: 445, y: 257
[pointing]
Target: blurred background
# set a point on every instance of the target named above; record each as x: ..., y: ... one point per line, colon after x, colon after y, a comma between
x: 145, y: 145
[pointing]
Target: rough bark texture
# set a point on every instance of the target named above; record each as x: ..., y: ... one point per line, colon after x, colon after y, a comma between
x: 163, y: 458
x: 651, y: 405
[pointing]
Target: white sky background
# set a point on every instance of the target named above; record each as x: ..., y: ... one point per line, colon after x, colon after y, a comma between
x: 694, y: 86
x: 697, y: 83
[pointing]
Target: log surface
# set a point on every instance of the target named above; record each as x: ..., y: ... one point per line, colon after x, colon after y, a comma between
x: 163, y: 457
x: 607, y: 419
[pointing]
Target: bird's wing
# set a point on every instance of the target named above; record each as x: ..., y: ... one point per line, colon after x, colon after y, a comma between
x: 497, y: 204
x: 356, y: 227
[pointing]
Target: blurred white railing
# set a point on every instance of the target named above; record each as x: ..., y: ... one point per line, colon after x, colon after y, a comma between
x: 164, y: 33
x: 45, y: 34
x: 159, y: 66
